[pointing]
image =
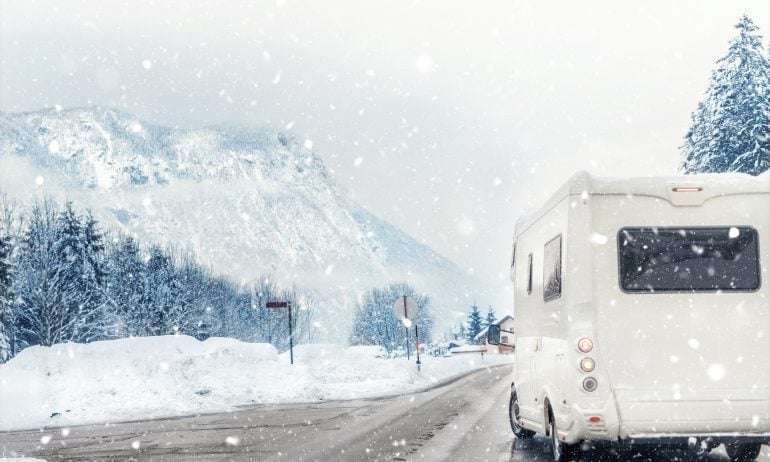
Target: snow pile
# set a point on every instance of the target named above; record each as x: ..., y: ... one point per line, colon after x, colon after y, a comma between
x: 20, y: 459
x: 139, y: 378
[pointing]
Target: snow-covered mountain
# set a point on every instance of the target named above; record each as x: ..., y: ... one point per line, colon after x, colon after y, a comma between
x: 249, y: 203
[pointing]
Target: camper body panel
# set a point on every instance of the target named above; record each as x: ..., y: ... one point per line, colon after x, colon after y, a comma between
x: 538, y: 338
x: 683, y: 362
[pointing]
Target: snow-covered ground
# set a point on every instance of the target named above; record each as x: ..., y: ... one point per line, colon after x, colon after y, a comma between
x: 19, y: 459
x: 139, y: 378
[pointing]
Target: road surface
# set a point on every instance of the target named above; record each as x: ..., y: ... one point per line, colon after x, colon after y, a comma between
x: 462, y: 421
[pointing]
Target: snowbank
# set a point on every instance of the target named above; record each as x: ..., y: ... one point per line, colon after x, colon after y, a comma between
x: 20, y: 459
x: 139, y: 378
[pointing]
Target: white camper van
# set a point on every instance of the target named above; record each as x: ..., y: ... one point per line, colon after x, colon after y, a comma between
x: 642, y: 314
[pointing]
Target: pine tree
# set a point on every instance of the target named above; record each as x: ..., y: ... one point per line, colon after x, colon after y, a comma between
x: 80, y: 250
x: 474, y: 324
x: 45, y: 306
x: 161, y: 290
x: 124, y: 286
x: 730, y: 129
x: 491, y: 317
x: 6, y: 296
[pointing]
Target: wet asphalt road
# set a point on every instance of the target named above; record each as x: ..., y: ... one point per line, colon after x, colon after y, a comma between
x: 462, y: 421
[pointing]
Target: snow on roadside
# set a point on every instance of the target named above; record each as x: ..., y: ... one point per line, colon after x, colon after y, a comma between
x: 20, y: 459
x: 139, y: 378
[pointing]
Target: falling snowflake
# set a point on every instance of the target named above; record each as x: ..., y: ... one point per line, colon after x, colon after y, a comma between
x: 147, y: 64
x: 716, y: 372
x: 466, y: 226
x: 424, y: 64
x: 598, y: 239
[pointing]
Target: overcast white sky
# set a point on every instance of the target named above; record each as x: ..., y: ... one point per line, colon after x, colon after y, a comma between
x: 448, y: 118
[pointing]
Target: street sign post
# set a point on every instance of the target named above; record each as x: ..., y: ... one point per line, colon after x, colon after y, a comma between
x: 406, y: 310
x: 287, y: 305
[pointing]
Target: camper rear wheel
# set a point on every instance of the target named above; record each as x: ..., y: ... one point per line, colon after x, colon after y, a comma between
x: 745, y: 452
x: 514, y: 417
x: 561, y: 452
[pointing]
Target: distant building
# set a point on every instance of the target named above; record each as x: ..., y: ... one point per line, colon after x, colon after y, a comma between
x: 506, y: 338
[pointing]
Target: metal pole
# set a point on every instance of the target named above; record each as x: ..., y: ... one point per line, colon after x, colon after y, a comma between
x: 417, y: 346
x: 291, y: 337
x: 406, y: 329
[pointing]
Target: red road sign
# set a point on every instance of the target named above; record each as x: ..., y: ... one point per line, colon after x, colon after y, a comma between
x: 277, y: 304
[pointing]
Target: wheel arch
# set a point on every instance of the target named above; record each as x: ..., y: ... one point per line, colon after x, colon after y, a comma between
x: 547, y: 415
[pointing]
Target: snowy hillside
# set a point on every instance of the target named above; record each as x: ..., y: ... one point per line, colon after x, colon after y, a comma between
x: 249, y: 203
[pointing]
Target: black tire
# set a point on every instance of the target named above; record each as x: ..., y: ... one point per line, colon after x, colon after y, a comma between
x: 561, y: 452
x: 743, y: 452
x: 513, y: 418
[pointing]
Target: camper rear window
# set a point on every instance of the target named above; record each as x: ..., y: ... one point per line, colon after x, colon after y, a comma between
x: 689, y: 259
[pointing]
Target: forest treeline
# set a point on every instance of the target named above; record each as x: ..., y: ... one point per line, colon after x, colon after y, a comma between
x: 63, y: 278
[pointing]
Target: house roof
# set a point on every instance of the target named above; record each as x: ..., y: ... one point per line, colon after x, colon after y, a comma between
x: 483, y: 331
x: 468, y: 349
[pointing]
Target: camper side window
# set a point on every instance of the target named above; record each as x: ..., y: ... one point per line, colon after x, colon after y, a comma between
x: 552, y: 269
x: 529, y: 274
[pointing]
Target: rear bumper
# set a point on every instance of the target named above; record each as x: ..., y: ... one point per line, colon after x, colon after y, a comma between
x: 749, y: 417
x: 676, y: 423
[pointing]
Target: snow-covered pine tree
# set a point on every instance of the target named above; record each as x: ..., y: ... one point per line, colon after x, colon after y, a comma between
x: 6, y: 295
x: 474, y: 324
x: 730, y: 129
x: 161, y: 289
x: 491, y: 317
x: 189, y: 312
x: 80, y: 249
x: 45, y: 304
x: 124, y: 286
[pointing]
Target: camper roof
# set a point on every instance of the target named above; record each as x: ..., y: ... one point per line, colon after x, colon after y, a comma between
x: 700, y: 188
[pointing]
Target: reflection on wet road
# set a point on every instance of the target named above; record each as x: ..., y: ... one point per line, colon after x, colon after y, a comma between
x: 538, y: 449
